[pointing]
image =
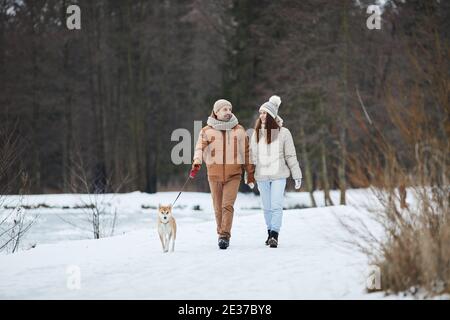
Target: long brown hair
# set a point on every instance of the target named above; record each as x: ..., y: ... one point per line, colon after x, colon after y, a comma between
x: 271, y: 124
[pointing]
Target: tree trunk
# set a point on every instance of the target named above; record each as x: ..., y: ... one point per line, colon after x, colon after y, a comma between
x: 36, y: 156
x: 134, y: 157
x: 95, y: 84
x: 68, y: 125
x: 116, y: 117
x: 2, y: 40
x: 343, y: 113
x: 102, y: 171
x: 326, y: 184
x: 307, y: 168
x: 323, y: 157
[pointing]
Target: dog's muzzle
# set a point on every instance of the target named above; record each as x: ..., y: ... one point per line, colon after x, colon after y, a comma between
x: 165, y: 220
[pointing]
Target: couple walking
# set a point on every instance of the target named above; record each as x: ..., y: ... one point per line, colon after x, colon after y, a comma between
x: 269, y: 157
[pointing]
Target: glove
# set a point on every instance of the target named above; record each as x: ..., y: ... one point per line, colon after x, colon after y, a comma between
x: 298, y: 183
x: 251, y: 181
x: 194, y: 171
x: 195, y: 168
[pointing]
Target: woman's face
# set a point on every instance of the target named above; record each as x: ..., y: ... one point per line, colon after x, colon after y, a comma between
x: 263, y: 116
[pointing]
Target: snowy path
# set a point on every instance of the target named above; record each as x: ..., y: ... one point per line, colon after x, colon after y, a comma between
x: 310, y: 263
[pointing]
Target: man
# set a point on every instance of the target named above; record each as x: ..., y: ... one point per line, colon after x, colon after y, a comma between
x: 224, y: 146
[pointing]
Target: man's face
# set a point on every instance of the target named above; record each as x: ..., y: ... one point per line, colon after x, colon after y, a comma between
x: 224, y: 113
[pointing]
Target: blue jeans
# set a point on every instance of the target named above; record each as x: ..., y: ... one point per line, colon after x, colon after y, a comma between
x: 272, y: 196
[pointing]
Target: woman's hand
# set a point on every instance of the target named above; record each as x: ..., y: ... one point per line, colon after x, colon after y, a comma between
x: 251, y: 181
x: 298, y: 183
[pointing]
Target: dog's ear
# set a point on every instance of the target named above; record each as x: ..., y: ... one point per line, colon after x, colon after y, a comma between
x: 159, y: 205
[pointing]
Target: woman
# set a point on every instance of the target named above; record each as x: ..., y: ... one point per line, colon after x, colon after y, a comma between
x: 273, y: 153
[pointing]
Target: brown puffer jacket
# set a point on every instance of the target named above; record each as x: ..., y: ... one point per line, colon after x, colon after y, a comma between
x: 226, y: 153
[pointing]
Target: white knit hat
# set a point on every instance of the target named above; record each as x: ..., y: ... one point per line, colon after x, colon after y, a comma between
x: 271, y: 106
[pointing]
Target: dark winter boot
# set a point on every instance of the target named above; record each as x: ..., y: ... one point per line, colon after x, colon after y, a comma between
x: 273, y: 241
x: 268, y: 237
x: 224, y: 243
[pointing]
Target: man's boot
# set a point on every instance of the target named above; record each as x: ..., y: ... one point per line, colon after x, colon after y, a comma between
x: 223, y: 242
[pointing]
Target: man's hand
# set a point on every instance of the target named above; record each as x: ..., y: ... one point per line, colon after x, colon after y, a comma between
x: 196, y: 163
x: 298, y: 183
x: 195, y: 168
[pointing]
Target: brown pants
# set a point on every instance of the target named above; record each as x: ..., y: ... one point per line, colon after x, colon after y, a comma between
x: 223, y: 195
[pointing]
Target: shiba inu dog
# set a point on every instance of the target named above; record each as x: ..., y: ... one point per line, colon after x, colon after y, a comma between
x: 167, y: 227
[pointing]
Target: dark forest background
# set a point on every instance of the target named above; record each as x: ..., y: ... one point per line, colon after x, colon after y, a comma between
x: 102, y: 102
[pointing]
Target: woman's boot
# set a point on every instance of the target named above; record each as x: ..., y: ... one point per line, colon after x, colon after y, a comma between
x: 273, y: 241
x: 268, y: 237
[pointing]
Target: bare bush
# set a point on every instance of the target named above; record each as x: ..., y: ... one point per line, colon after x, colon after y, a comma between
x: 14, y: 220
x: 411, y: 180
x: 99, y: 217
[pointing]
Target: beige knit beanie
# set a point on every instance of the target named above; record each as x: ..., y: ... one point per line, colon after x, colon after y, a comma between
x: 221, y: 103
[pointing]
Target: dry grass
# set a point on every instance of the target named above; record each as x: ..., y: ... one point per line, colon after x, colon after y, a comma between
x: 409, y: 172
x: 416, y: 251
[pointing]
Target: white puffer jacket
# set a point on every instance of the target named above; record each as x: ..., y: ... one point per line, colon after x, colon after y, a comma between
x: 276, y: 160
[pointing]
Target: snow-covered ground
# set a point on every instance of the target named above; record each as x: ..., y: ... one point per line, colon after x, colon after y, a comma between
x: 311, y: 262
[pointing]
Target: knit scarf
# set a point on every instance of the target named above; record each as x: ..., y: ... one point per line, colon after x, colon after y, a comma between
x: 223, y: 125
